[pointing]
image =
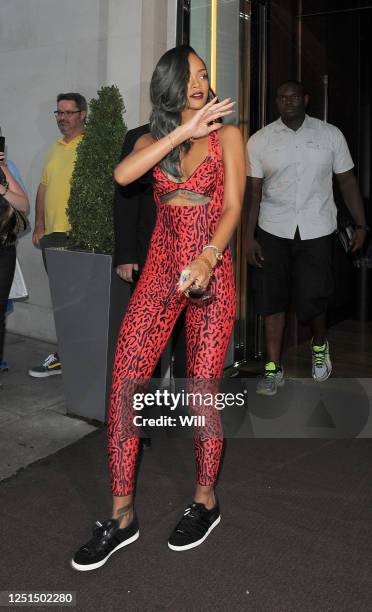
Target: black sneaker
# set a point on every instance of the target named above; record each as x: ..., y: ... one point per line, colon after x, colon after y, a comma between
x: 194, y: 527
x: 50, y: 367
x: 107, y: 538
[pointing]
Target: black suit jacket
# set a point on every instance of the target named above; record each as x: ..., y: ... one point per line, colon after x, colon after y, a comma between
x: 134, y: 211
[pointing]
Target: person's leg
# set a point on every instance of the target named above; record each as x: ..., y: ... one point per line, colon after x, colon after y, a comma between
x: 313, y: 280
x: 275, y: 290
x: 273, y: 302
x: 51, y: 365
x: 319, y: 329
x: 144, y: 333
x: 208, y: 332
x: 274, y: 329
x: 179, y: 348
x: 7, y: 267
x: 145, y: 443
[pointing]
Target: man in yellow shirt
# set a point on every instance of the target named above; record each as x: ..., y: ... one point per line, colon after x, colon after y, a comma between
x: 51, y: 222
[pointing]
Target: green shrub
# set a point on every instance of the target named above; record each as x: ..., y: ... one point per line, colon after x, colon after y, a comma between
x: 90, y: 207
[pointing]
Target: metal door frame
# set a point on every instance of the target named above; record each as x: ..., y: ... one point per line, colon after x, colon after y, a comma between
x: 252, y: 116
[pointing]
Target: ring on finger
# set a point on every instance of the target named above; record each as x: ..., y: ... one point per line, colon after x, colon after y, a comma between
x: 185, y: 275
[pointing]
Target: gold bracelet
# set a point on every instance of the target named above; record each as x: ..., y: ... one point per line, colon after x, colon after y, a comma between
x: 207, y: 262
x: 218, y: 253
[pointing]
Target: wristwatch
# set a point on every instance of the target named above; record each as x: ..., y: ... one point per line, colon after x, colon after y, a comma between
x: 366, y: 228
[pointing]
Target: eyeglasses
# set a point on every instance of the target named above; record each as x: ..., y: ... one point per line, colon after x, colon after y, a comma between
x: 292, y: 98
x: 68, y: 113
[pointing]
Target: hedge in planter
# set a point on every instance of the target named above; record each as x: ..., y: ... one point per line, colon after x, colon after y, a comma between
x: 90, y: 207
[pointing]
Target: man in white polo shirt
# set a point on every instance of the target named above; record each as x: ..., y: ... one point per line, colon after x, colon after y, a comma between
x: 290, y: 167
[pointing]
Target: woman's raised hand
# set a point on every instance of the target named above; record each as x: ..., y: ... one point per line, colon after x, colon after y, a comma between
x: 202, y: 123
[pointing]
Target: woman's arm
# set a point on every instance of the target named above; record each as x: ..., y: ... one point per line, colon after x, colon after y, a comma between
x: 14, y: 194
x: 147, y: 153
x: 39, y: 230
x: 233, y: 154
x: 234, y: 163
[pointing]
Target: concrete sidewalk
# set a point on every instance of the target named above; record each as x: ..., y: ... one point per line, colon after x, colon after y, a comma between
x: 33, y: 421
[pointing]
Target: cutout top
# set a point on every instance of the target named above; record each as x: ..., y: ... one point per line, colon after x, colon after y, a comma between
x: 201, y: 182
x: 184, y: 197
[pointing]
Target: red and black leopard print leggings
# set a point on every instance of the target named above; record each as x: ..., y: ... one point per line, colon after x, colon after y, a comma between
x: 179, y: 236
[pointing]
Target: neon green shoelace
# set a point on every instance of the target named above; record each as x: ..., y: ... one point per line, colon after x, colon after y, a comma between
x: 319, y: 353
x: 270, y: 370
x: 269, y: 375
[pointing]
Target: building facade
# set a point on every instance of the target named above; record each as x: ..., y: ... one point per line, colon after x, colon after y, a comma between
x: 48, y: 47
x: 250, y: 47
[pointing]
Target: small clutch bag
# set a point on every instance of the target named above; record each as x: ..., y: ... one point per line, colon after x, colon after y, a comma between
x: 345, y: 236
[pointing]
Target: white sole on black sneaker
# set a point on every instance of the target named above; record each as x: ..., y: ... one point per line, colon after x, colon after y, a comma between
x: 198, y: 542
x: 93, y: 566
x: 44, y: 374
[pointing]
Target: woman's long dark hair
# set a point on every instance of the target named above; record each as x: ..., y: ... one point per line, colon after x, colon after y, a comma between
x: 168, y: 92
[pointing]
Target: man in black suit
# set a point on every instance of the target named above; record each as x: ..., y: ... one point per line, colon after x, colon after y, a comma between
x: 134, y: 217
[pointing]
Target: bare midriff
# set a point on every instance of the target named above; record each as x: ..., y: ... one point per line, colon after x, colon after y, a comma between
x: 184, y: 197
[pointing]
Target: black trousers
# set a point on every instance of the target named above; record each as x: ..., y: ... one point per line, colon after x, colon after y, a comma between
x: 7, y: 267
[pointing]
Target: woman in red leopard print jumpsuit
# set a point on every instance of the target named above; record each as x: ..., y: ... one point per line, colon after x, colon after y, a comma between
x: 199, y: 176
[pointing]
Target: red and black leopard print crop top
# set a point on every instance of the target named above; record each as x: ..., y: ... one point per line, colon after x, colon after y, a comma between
x: 202, y: 182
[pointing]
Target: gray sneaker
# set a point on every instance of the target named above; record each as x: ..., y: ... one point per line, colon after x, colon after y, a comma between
x: 322, y: 365
x: 271, y: 380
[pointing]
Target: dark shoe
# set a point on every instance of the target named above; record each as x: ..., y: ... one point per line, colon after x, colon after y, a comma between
x: 107, y: 538
x: 50, y: 367
x: 194, y: 527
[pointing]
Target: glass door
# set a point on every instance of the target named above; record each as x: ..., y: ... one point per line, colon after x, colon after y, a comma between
x: 220, y: 32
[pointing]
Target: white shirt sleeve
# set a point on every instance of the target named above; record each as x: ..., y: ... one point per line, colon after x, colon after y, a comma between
x: 254, y: 164
x: 342, y: 161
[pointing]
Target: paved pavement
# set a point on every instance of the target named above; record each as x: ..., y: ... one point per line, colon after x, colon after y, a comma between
x: 33, y: 420
x: 290, y: 508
